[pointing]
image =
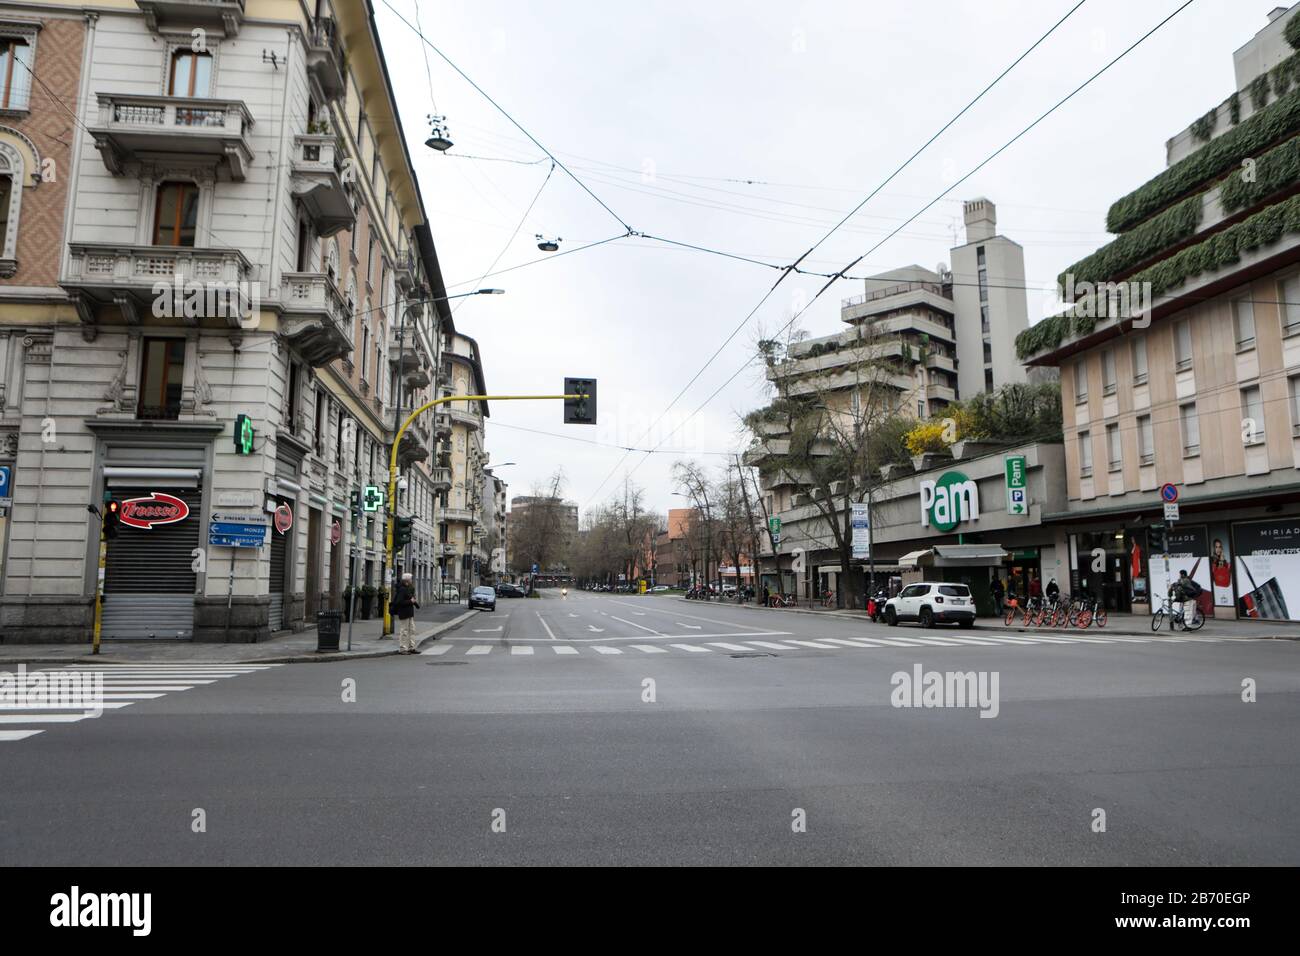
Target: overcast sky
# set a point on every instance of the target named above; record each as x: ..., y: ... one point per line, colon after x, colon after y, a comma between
x: 751, y: 128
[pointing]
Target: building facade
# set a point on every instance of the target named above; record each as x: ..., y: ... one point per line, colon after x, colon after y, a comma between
x: 244, y: 243
x: 1197, y: 385
x: 462, y: 452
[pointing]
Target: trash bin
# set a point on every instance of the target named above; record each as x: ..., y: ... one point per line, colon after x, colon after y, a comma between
x: 328, y: 626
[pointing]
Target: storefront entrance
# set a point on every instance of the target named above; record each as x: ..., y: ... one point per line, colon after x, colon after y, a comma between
x: 149, y: 581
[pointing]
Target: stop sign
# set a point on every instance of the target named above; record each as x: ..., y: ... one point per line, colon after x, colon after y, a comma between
x: 283, y: 518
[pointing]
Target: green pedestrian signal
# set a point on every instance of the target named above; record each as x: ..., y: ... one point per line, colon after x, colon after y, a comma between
x: 402, y: 532
x: 243, y: 435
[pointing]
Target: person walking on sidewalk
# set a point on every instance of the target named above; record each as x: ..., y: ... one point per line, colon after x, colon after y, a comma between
x: 404, y: 605
x: 998, y: 592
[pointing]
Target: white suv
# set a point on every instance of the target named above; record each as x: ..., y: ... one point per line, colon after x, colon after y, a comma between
x: 929, y: 603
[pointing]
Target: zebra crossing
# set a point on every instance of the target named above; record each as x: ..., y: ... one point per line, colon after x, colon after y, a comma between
x: 68, y: 695
x: 467, y: 648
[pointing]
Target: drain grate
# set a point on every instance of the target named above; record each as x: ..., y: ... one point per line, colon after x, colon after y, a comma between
x: 756, y: 654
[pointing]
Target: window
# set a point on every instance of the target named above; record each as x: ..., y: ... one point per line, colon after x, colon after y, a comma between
x: 291, y: 400
x: 162, y: 376
x: 1140, y: 361
x: 1114, y: 455
x: 191, y: 75
x: 338, y: 441
x: 318, y: 426
x: 1080, y: 383
x: 1289, y: 293
x: 176, y: 214
x: 988, y: 380
x: 1243, y: 323
x: 1252, y: 415
x: 1085, y: 455
x: 1191, y: 430
x: 1183, y: 346
x: 984, y: 318
x: 920, y: 408
x: 365, y: 348
x: 15, y: 73
x: 1109, y: 386
x: 988, y: 354
x: 1293, y: 383
x: 1146, y: 441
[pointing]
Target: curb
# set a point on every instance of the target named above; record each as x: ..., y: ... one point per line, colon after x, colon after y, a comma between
x: 313, y: 657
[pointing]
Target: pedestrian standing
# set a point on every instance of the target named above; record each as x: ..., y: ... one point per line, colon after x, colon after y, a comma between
x: 404, y: 605
x: 998, y: 592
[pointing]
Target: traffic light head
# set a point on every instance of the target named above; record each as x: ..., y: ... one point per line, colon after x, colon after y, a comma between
x: 580, y: 411
x: 402, y: 532
x: 1156, y: 538
x: 112, y: 518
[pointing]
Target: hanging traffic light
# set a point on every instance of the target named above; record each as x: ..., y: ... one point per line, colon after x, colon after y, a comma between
x: 112, y: 519
x: 580, y: 411
x: 243, y: 435
x: 402, y: 532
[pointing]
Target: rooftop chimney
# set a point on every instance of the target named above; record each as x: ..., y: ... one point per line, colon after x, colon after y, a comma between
x: 981, y: 219
x: 1275, y: 13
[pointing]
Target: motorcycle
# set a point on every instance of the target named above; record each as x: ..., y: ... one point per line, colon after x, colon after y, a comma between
x: 876, y: 606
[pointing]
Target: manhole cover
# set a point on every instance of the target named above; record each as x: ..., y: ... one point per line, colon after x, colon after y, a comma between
x: 444, y: 663
x: 754, y: 654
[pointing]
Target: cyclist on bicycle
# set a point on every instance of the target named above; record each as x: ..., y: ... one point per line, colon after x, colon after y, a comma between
x: 1053, y: 590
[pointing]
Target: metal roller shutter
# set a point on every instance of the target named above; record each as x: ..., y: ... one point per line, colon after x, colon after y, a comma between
x: 148, y: 582
x: 279, y: 551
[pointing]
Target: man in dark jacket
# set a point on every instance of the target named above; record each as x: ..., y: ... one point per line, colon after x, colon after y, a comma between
x: 998, y: 592
x: 404, y: 605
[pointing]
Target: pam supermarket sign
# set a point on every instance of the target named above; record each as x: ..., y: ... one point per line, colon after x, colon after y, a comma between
x: 951, y: 500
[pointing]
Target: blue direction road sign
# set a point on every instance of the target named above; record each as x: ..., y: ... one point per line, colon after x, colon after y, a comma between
x: 5, y: 490
x: 1169, y: 492
x: 237, y: 530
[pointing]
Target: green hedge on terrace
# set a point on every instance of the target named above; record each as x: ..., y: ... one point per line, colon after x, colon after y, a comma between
x: 1213, y: 159
x: 1222, y: 249
x: 1275, y: 171
x: 1171, y: 227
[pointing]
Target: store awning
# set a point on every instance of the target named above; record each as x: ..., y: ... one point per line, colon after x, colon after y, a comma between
x: 913, y: 558
x: 968, y: 555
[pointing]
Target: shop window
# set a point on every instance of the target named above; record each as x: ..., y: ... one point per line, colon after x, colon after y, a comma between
x: 1252, y: 415
x: 1146, y: 441
x: 176, y: 214
x: 162, y: 377
x: 15, y: 73
x: 1243, y: 323
x: 1085, y: 455
x: 1183, y: 346
x: 1191, y: 428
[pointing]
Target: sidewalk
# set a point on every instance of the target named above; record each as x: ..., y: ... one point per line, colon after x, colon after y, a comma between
x: 288, y: 648
x: 1125, y: 625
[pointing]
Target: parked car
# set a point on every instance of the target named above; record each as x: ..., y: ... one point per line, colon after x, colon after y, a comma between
x: 507, y: 590
x: 659, y: 587
x: 483, y: 597
x: 932, y: 602
x: 451, y: 592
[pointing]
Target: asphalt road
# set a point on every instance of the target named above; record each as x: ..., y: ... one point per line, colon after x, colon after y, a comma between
x: 526, y: 737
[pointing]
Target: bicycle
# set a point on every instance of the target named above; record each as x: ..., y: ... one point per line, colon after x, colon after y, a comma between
x: 781, y: 600
x: 1029, y: 610
x: 828, y: 599
x: 1178, y: 617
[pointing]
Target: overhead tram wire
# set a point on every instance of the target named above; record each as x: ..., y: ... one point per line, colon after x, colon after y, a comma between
x: 568, y: 172
x: 789, y: 270
x: 834, y: 278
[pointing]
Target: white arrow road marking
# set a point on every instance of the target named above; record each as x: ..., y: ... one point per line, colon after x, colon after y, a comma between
x: 486, y: 630
x: 545, y: 625
x: 597, y: 630
x: 690, y: 627
x: 635, y: 624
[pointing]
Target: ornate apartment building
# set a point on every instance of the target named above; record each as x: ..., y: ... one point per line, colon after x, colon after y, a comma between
x: 213, y: 220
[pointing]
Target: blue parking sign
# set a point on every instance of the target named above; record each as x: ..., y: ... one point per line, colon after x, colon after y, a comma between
x: 4, y: 482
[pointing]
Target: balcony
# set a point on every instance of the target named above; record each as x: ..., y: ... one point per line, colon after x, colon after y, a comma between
x: 163, y: 281
x: 461, y: 417
x: 416, y: 380
x: 133, y: 128
x: 415, y: 446
x: 314, y: 317
x: 224, y: 15
x: 442, y: 425
x: 404, y: 274
x: 454, y: 514
x: 326, y: 61
x: 318, y: 183
x: 441, y: 479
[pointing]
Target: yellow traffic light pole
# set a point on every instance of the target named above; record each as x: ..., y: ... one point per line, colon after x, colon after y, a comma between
x: 391, y: 503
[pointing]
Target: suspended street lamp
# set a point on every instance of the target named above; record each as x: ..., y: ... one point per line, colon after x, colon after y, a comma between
x: 548, y: 245
x: 438, y: 138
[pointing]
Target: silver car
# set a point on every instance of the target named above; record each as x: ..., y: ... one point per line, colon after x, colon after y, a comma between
x: 483, y: 597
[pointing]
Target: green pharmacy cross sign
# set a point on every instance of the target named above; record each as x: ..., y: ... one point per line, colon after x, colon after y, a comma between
x: 243, y: 435
x: 372, y: 499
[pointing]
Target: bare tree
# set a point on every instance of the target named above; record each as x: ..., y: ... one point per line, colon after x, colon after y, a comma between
x: 697, y: 486
x: 538, y: 532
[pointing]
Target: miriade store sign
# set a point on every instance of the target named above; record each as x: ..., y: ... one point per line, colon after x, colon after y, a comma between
x: 949, y: 501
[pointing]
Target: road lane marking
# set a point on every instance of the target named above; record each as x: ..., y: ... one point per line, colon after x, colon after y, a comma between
x: 823, y: 647
x: 728, y: 647
x: 691, y: 647
x: 605, y: 650
x: 693, y: 617
x: 545, y: 625
x: 564, y: 649
x: 692, y: 627
x: 635, y: 624
x: 521, y: 649
x: 18, y: 734
x: 594, y: 629
x: 436, y: 650
x: 648, y: 648
x: 848, y: 643
x: 41, y: 718
x: 976, y: 640
x: 480, y: 649
x: 486, y: 630
x: 933, y: 640
x: 768, y: 645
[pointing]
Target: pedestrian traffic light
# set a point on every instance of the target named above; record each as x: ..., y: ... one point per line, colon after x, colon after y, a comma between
x: 1156, y: 538
x: 402, y: 532
x: 243, y: 435
x: 112, y: 519
x: 580, y: 411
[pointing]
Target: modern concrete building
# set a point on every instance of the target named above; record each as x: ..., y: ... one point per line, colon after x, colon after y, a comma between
x: 1199, y: 385
x: 245, y: 243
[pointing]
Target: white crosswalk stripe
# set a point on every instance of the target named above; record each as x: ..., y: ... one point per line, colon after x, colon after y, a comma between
x: 103, y: 688
x: 728, y: 647
x: 648, y: 648
x: 768, y: 645
x: 691, y: 647
x: 815, y: 644
x: 437, y: 650
x: 605, y: 650
x: 565, y: 649
x: 521, y: 649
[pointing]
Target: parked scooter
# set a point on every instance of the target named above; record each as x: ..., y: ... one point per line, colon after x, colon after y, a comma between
x: 876, y: 605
